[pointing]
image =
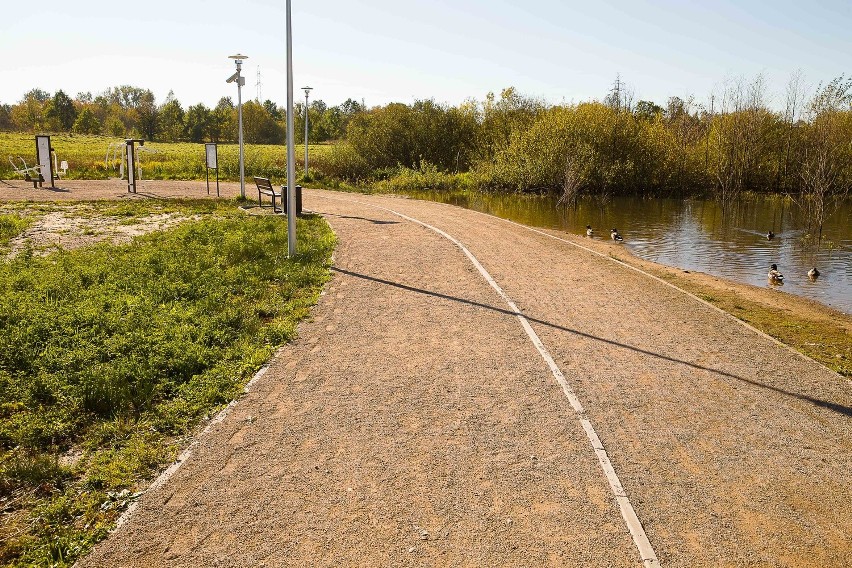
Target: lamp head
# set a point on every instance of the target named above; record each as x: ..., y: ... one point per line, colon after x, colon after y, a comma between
x: 307, y: 90
x: 238, y: 59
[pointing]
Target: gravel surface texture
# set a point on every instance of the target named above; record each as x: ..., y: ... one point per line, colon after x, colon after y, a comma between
x: 413, y: 423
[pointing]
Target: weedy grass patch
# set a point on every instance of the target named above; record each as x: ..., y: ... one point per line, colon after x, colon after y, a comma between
x: 110, y: 353
x: 12, y: 225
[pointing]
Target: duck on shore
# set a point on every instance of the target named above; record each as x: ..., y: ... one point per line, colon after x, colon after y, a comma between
x: 813, y: 274
x: 775, y: 277
x: 770, y: 235
x: 589, y: 231
x: 615, y: 236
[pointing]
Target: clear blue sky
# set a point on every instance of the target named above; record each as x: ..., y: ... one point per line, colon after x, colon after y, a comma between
x: 399, y: 50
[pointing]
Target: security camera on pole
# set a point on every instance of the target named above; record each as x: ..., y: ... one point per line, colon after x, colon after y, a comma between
x: 240, y: 80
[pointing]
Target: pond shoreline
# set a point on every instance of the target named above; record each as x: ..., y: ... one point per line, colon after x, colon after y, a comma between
x: 740, y: 243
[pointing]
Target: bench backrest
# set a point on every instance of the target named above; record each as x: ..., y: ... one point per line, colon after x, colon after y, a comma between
x: 263, y: 183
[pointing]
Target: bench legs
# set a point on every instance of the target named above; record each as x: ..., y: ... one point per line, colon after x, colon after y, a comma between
x: 273, y: 195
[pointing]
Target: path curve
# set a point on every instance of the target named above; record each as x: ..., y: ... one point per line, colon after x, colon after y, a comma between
x: 414, y: 423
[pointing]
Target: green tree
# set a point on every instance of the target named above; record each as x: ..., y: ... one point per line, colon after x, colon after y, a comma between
x: 329, y: 125
x: 197, y: 122
x: 647, y: 110
x: 499, y: 118
x: 87, y: 122
x: 273, y: 110
x: 29, y: 114
x: 222, y: 125
x: 6, y: 117
x: 258, y: 125
x: 171, y: 119
x: 146, y: 115
x: 113, y: 126
x: 62, y: 110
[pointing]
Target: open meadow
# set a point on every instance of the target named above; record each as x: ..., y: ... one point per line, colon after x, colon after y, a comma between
x: 90, y: 157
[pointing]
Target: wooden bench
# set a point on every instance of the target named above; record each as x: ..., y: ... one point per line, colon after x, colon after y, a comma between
x: 264, y: 187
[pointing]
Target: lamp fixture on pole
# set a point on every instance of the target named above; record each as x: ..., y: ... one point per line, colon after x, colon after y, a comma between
x: 307, y: 91
x: 240, y: 80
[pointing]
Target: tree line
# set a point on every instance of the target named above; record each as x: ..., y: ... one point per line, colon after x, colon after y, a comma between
x: 737, y: 143
x: 133, y: 111
x: 733, y: 143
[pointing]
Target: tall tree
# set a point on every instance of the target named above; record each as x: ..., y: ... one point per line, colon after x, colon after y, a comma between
x: 197, y: 122
x: 171, y: 119
x: 222, y: 123
x: 63, y: 110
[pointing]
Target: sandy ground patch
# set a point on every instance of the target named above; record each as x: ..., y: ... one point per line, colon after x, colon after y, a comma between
x: 80, y: 226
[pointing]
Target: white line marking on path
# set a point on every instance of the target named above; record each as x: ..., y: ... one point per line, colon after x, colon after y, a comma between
x: 649, y: 558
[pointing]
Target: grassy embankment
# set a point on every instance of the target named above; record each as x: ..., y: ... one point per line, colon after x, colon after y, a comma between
x: 110, y: 353
x: 86, y: 156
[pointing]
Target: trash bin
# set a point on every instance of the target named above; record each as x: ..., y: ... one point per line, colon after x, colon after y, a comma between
x: 285, y: 195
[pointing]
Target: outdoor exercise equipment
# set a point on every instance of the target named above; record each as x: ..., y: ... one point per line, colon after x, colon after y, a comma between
x: 115, y: 158
x: 43, y: 170
x: 28, y: 173
x: 126, y: 156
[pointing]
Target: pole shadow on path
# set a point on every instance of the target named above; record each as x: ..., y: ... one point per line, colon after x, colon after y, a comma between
x: 373, y: 221
x: 833, y: 406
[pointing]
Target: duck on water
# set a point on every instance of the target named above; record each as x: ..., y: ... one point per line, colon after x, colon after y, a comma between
x: 775, y: 277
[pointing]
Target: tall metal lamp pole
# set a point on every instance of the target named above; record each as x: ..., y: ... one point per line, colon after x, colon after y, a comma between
x: 240, y: 80
x: 291, y: 165
x: 307, y: 90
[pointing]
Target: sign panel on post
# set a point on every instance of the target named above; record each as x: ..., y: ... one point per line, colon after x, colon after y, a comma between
x: 211, y: 155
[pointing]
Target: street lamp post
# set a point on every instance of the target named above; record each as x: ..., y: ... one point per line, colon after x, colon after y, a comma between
x: 307, y: 90
x: 240, y: 80
x: 291, y: 166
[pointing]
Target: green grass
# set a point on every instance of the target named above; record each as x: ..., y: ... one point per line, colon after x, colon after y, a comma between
x: 86, y: 156
x: 111, y: 353
x: 12, y: 225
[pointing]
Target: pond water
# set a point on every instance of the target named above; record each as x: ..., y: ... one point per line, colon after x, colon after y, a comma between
x: 694, y: 234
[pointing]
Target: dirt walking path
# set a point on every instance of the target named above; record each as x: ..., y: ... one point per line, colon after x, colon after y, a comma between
x: 111, y: 189
x: 415, y: 423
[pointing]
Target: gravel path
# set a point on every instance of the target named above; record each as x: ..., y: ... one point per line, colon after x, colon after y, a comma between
x: 111, y: 189
x: 414, y: 423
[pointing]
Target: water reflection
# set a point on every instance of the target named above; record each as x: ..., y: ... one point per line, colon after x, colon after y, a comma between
x: 695, y: 234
